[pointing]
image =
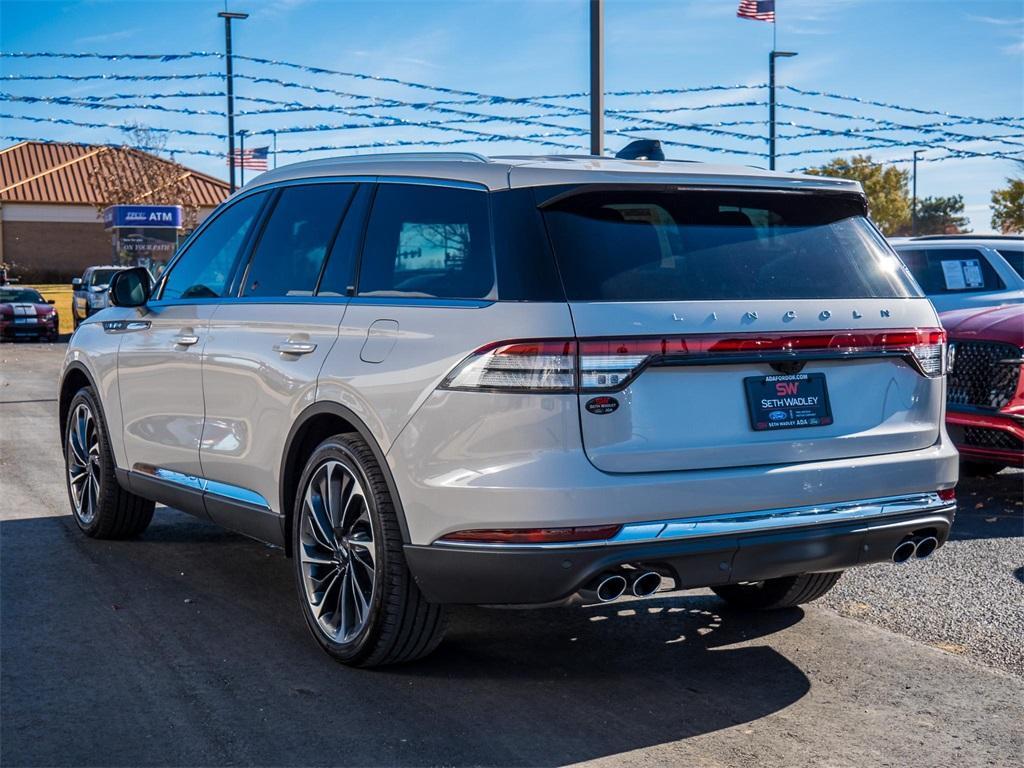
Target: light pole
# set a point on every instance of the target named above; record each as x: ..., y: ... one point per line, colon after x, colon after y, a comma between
x: 228, y: 16
x: 596, y: 77
x: 913, y: 199
x: 772, y: 56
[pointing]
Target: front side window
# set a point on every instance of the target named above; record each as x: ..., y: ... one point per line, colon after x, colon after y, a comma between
x: 428, y: 241
x: 951, y: 270
x: 693, y: 245
x: 296, y: 240
x: 204, y: 270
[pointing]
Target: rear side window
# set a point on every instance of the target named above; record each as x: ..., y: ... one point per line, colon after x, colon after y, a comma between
x: 204, y: 270
x: 951, y: 270
x: 428, y: 241
x: 296, y: 239
x: 676, y: 245
x: 1015, y: 259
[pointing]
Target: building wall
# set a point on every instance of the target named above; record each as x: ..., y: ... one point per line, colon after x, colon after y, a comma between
x: 53, y: 243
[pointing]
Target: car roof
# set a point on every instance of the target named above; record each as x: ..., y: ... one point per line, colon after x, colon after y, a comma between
x: 515, y: 171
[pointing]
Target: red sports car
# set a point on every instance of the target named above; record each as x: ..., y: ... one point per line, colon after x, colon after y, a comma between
x: 25, y: 314
x: 985, y: 398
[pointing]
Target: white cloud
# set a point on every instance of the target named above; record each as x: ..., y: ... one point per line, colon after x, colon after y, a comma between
x: 106, y: 37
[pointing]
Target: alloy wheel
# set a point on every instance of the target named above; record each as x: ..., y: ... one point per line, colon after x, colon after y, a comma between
x: 336, y: 551
x: 84, y: 463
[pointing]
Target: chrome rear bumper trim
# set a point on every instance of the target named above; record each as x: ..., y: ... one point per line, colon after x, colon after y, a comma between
x: 767, y: 520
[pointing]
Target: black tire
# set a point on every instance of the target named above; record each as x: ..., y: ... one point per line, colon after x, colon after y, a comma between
x: 75, y: 321
x: 116, y: 513
x: 773, y: 594
x: 399, y: 625
x: 981, y: 468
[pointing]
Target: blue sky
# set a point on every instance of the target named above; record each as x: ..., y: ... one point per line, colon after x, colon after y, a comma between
x: 965, y: 58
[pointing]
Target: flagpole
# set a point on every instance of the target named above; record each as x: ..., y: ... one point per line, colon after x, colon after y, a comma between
x: 241, y: 158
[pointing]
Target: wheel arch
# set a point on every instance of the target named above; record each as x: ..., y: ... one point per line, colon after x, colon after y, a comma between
x: 314, y: 425
x: 76, y: 377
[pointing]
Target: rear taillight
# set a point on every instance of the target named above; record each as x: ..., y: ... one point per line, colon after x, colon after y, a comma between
x: 948, y: 494
x: 518, y: 366
x: 602, y: 365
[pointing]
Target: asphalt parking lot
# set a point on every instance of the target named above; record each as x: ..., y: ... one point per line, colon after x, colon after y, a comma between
x: 186, y: 647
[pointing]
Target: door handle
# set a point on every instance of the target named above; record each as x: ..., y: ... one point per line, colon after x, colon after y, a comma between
x: 186, y: 340
x: 294, y: 347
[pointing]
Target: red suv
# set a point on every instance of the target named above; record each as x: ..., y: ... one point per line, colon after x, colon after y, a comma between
x: 985, y: 399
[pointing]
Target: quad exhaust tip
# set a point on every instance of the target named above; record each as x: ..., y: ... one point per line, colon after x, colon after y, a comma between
x: 921, y: 547
x: 645, y: 583
x: 904, y: 551
x: 605, y: 588
x: 926, y: 547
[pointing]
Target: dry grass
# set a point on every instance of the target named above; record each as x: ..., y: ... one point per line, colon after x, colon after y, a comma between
x: 61, y: 296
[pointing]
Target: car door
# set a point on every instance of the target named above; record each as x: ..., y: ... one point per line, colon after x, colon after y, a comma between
x: 265, y: 350
x: 160, y: 360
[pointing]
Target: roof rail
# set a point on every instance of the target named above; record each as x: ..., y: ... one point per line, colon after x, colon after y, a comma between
x: 465, y: 157
x: 968, y: 236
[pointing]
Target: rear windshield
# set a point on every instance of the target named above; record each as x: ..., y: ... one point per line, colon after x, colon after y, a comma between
x: 102, y: 276
x: 678, y: 245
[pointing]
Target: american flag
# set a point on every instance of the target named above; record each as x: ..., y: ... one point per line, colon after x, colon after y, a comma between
x: 759, y: 10
x: 255, y: 158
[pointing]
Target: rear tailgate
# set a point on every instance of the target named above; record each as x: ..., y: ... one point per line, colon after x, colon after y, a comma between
x: 735, y: 328
x: 698, y: 415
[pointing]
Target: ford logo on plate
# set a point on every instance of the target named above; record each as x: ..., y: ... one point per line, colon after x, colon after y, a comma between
x: 778, y: 415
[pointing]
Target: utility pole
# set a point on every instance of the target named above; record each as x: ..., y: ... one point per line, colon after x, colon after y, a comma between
x: 772, y: 56
x: 913, y: 199
x: 228, y: 16
x: 596, y: 77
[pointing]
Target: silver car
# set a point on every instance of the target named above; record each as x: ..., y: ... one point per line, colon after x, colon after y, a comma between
x: 90, y: 292
x: 965, y: 271
x: 441, y: 378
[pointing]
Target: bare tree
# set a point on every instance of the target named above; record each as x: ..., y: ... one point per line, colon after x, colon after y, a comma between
x: 134, y: 173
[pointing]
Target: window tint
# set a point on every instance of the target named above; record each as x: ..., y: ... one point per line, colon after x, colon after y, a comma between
x: 427, y: 241
x: 526, y: 266
x: 1015, y: 259
x: 951, y: 270
x: 203, y: 271
x: 339, y: 273
x: 295, y: 240
x: 659, y: 245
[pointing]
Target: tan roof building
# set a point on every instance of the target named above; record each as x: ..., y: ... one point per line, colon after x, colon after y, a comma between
x: 51, y: 194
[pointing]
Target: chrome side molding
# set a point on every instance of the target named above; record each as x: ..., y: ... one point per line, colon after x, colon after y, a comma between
x: 202, y: 485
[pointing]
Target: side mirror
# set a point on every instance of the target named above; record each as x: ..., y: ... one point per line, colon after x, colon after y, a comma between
x: 76, y: 282
x: 131, y: 287
x: 51, y: 302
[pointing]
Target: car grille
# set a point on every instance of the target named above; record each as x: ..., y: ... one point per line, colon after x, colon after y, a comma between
x: 982, y: 437
x: 978, y: 379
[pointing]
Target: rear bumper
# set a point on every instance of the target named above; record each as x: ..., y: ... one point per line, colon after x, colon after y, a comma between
x: 1002, y: 428
x: 706, y: 551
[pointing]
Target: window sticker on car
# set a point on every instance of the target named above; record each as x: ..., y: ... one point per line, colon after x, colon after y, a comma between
x: 961, y: 274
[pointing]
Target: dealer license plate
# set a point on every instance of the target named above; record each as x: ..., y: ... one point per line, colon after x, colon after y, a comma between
x: 788, y: 401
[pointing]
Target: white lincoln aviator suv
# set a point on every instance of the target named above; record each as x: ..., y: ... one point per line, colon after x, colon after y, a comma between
x: 443, y: 378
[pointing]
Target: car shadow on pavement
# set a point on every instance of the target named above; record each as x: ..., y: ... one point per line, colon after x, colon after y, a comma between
x: 186, y: 647
x: 990, y: 507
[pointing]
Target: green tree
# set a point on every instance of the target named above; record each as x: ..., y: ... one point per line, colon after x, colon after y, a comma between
x: 885, y: 187
x: 1008, y: 207
x: 940, y: 216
